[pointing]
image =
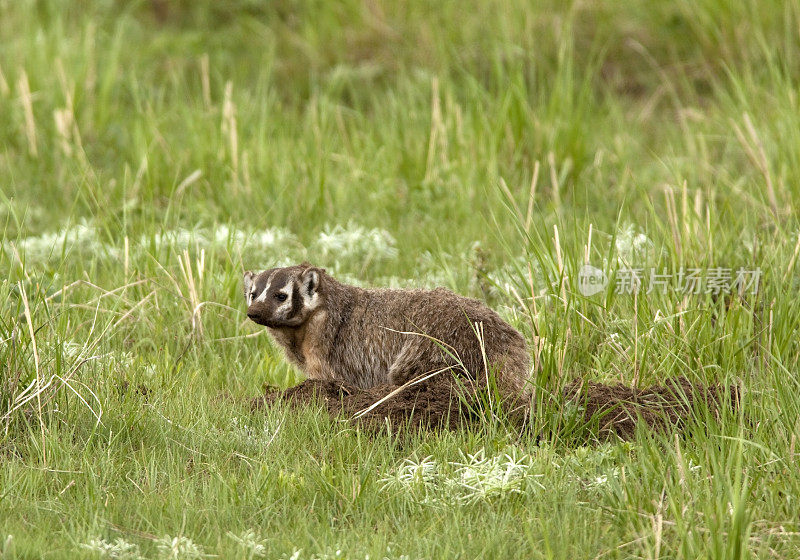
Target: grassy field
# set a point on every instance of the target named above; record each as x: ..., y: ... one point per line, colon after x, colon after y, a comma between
x: 152, y: 151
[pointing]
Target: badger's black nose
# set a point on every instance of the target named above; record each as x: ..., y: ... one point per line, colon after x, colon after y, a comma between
x: 251, y: 314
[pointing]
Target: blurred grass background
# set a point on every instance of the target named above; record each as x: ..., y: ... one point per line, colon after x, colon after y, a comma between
x: 150, y: 151
x: 382, y: 112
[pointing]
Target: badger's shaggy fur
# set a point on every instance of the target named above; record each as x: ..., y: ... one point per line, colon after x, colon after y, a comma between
x: 364, y: 338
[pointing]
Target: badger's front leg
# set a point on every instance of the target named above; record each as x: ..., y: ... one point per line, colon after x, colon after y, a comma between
x: 314, y: 351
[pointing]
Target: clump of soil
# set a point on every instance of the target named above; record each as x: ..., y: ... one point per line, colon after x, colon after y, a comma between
x: 618, y: 409
x: 436, y: 403
x: 440, y: 403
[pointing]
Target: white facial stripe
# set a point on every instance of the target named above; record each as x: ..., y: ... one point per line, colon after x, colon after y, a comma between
x: 263, y: 296
x: 286, y: 305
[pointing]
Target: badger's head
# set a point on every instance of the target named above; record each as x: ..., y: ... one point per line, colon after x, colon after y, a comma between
x: 283, y: 297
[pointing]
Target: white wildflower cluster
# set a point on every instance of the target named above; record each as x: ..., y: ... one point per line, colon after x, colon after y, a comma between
x: 480, y: 477
x: 178, y: 548
x: 71, y: 351
x: 413, y: 474
x: 276, y: 245
x: 82, y: 237
x: 355, y: 242
x: 252, y: 435
x: 477, y: 477
x: 601, y: 481
x: 176, y: 238
x: 632, y: 248
x: 74, y: 351
x: 297, y: 554
x: 341, y: 242
x: 251, y: 543
x: 85, y: 237
x: 268, y: 240
x: 423, y: 480
x: 119, y: 548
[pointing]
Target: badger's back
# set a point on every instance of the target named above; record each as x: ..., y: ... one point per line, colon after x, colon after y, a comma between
x: 430, y: 330
x: 477, y: 338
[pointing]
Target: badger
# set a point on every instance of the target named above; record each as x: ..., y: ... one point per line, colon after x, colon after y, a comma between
x: 368, y: 337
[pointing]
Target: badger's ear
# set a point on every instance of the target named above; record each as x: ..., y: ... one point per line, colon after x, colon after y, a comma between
x: 249, y: 278
x: 310, y: 279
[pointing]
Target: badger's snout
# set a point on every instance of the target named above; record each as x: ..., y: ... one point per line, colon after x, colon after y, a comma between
x: 256, y: 313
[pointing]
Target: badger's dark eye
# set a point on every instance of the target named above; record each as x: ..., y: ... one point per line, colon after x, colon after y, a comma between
x: 280, y: 296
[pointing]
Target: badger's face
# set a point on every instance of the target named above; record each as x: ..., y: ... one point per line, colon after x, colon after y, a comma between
x: 283, y: 297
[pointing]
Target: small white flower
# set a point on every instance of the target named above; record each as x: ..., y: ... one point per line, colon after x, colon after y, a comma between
x: 412, y: 473
x: 632, y: 247
x: 74, y: 351
x: 177, y: 238
x: 120, y: 548
x: 272, y: 244
x: 71, y: 350
x: 150, y: 371
x: 177, y: 548
x: 82, y: 236
x: 601, y: 481
x: 273, y: 238
x: 222, y: 234
x: 482, y: 477
x: 253, y: 435
x: 355, y: 241
x: 251, y: 542
x: 475, y: 478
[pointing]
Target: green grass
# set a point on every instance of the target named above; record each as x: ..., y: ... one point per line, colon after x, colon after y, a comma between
x: 152, y: 151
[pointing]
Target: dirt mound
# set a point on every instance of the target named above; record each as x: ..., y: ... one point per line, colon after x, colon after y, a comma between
x: 436, y: 403
x: 617, y: 409
x: 440, y: 403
